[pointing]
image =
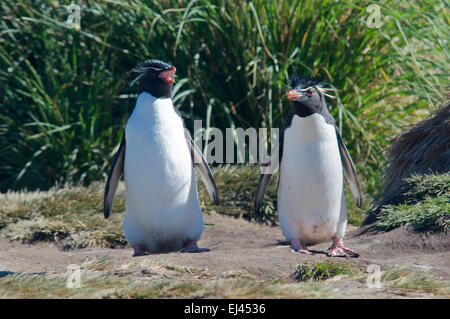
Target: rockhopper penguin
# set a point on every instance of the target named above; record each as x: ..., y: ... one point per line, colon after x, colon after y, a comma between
x: 156, y: 158
x: 311, y: 155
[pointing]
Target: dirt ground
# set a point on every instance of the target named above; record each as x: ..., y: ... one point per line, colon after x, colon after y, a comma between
x: 260, y: 251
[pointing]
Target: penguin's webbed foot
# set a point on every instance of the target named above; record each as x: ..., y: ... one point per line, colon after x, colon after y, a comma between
x: 297, y: 247
x: 191, y: 247
x: 338, y: 249
x: 139, y: 251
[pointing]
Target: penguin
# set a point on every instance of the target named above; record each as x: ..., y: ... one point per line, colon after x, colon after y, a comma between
x: 156, y: 157
x: 310, y: 155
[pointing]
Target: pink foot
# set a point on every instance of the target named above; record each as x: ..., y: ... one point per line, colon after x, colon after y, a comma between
x: 191, y: 247
x: 296, y: 246
x: 338, y: 249
x: 139, y: 251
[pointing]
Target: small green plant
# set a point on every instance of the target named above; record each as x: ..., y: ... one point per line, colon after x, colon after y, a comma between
x: 432, y: 185
x: 426, y: 206
x: 309, y: 271
x: 431, y: 214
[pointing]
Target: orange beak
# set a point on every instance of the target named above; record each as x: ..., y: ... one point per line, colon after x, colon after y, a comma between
x: 167, y: 75
x: 293, y: 95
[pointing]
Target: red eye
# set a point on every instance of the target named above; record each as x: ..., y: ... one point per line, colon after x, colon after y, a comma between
x: 309, y: 93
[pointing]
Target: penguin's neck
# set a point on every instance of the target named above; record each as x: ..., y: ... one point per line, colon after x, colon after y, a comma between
x: 312, y: 128
x: 302, y: 110
x: 149, y: 107
x: 155, y: 86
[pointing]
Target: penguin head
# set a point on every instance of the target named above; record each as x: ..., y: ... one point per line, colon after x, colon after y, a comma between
x: 305, y: 94
x: 155, y: 77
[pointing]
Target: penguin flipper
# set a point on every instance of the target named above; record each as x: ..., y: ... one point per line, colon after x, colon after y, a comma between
x: 266, y: 174
x: 350, y: 171
x: 200, y: 162
x: 114, y: 176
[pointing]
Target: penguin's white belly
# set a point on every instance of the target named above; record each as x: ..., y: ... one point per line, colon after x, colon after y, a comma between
x: 311, y: 185
x: 162, y: 209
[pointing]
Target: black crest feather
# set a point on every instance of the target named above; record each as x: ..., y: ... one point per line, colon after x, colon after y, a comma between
x: 154, y: 63
x: 302, y: 82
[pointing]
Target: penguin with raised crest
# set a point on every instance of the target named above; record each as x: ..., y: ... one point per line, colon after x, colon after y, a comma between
x: 157, y: 157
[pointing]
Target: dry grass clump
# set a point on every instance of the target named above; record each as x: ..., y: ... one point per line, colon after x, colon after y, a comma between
x: 70, y: 216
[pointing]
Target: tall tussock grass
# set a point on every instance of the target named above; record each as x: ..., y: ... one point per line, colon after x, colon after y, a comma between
x: 64, y: 92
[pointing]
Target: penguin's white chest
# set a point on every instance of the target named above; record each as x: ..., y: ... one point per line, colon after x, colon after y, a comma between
x: 311, y: 187
x: 162, y: 209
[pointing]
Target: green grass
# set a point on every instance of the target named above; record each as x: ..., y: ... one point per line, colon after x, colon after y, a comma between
x: 426, y: 208
x: 309, y: 271
x: 423, y: 186
x: 64, y: 93
x: 432, y: 214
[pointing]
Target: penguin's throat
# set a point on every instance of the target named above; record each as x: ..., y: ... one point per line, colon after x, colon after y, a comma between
x: 303, y: 110
x: 157, y: 88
